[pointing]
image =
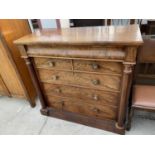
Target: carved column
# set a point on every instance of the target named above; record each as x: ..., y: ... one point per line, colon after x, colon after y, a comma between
x: 33, y: 76
x: 124, y: 94
x: 35, y: 81
x: 129, y: 62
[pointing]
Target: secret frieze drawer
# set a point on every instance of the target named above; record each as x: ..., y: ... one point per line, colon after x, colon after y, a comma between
x: 96, y: 81
x: 80, y: 65
x: 110, y: 53
x: 91, y: 96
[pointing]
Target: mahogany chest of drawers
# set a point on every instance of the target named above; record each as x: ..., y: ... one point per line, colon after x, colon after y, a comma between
x: 83, y: 74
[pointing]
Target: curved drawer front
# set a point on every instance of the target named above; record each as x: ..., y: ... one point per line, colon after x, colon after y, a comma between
x: 88, y: 95
x: 98, y: 66
x: 52, y: 63
x: 110, y: 53
x: 77, y: 106
x: 102, y: 82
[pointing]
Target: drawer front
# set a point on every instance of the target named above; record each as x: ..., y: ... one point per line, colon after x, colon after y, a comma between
x: 78, y: 106
x: 110, y: 53
x: 89, y: 95
x: 52, y: 63
x: 98, y: 66
x: 102, y: 82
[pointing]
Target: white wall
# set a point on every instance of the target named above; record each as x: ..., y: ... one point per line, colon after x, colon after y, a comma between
x: 64, y: 23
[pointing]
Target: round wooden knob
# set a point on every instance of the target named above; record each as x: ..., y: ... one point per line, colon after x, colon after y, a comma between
x: 55, y: 77
x: 51, y: 64
x: 58, y: 90
x: 95, y: 66
x: 95, y: 110
x: 96, y: 82
x: 62, y: 103
x: 95, y: 97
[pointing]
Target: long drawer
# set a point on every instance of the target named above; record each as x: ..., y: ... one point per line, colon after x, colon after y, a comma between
x: 102, y: 82
x: 90, y: 96
x: 78, y: 106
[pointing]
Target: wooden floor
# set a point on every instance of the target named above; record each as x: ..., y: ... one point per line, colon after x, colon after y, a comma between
x: 18, y: 118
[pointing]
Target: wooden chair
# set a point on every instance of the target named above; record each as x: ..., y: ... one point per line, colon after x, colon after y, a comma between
x: 143, y: 91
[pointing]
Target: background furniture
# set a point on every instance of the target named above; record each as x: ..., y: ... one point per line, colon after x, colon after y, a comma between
x: 143, y: 94
x: 83, y: 74
x: 86, y: 22
x: 100, y: 22
x: 3, y: 88
x: 44, y: 24
x: 145, y: 68
x: 143, y: 98
x: 14, y: 76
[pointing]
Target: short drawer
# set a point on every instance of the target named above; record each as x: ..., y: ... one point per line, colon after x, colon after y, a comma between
x: 102, y: 82
x: 80, y: 107
x: 91, y: 96
x: 52, y: 63
x: 98, y: 66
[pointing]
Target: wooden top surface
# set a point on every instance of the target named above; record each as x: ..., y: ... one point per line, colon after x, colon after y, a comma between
x: 101, y: 35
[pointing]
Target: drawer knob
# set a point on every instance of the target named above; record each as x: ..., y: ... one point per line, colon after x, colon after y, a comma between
x: 55, y: 77
x: 95, y: 109
x: 95, y: 82
x: 95, y: 97
x: 95, y: 66
x: 61, y: 102
x: 58, y: 90
x: 51, y: 64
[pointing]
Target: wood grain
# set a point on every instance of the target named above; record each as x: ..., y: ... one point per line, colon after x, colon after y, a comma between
x: 99, y: 67
x: 89, y: 95
x: 12, y: 29
x: 3, y: 88
x: 8, y: 72
x: 77, y: 106
x: 110, y: 53
x: 55, y: 64
x: 108, y: 35
x: 103, y: 82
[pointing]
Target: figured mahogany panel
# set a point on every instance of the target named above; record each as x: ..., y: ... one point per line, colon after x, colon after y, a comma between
x: 102, y: 82
x: 80, y: 107
x: 88, y: 52
x: 88, y: 95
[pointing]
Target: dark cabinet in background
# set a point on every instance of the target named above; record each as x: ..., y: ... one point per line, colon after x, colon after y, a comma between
x: 86, y: 22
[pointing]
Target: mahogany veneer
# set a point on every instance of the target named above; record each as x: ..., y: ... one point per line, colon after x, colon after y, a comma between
x: 83, y: 74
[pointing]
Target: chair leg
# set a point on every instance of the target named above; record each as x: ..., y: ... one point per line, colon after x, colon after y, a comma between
x: 131, y: 113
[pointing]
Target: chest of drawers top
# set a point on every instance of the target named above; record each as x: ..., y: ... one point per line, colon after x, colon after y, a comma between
x: 101, y: 35
x: 86, y: 42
